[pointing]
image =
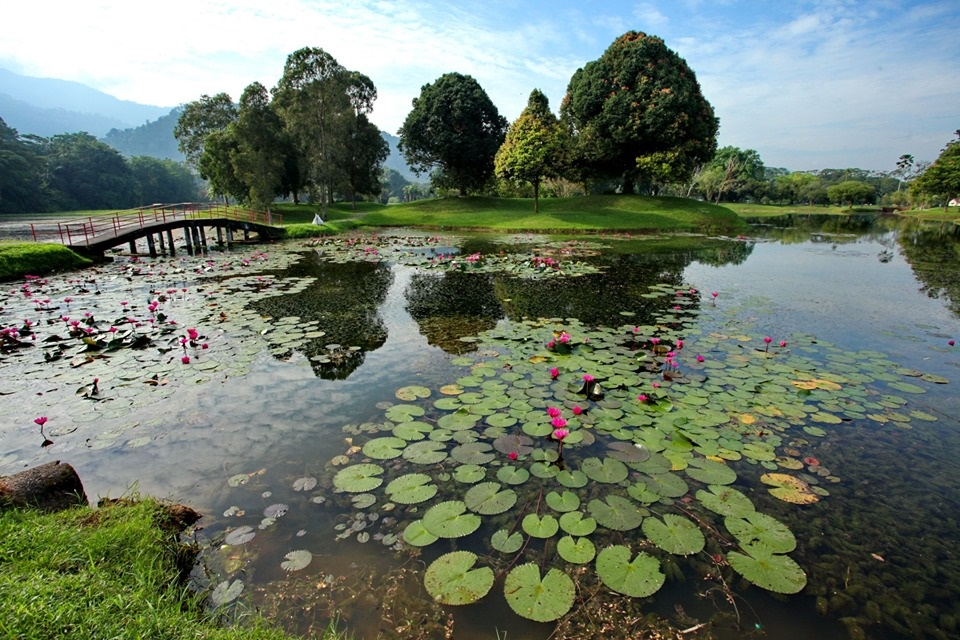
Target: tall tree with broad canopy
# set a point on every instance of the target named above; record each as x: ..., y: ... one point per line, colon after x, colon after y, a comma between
x: 198, y: 120
x: 321, y: 101
x: 533, y: 148
x: 258, y: 160
x: 454, y: 130
x: 942, y: 178
x: 852, y: 192
x: 21, y: 172
x: 638, y: 112
x: 84, y: 173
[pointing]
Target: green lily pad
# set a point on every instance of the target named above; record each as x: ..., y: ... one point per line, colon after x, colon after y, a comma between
x: 359, y: 478
x: 414, y: 430
x: 616, y: 512
x: 506, y: 542
x: 296, y: 560
x: 710, y: 472
x: 759, y: 529
x: 404, y: 412
x: 576, y: 550
x: 639, y: 578
x: 572, y: 479
x: 576, y: 525
x: 226, y: 592
x: 512, y: 475
x: 416, y: 535
x: 641, y: 493
x: 776, y: 573
x: 628, y: 452
x: 541, y: 600
x: 412, y: 488
x: 563, y: 502
x: 726, y: 501
x: 413, y: 392
x: 450, y: 520
x: 538, y: 527
x: 608, y: 470
x: 425, y: 452
x: 487, y: 498
x: 469, y: 473
x: 451, y: 579
x: 473, y: 453
x: 385, y: 448
x: 514, y: 443
x: 674, y: 534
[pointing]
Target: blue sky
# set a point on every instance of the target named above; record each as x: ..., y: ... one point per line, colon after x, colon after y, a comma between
x: 809, y: 84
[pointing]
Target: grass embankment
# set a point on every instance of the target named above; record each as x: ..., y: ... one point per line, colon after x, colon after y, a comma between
x: 750, y: 210
x: 557, y: 215
x: 20, y: 258
x: 107, y: 573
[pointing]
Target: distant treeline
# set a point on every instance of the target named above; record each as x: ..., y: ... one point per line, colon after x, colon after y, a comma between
x: 75, y: 171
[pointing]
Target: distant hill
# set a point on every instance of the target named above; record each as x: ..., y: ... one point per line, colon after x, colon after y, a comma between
x: 151, y: 139
x: 396, y: 162
x: 70, y: 107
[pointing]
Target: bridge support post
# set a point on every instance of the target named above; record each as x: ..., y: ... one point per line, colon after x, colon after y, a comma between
x: 133, y: 246
x: 188, y: 239
x: 230, y: 237
x: 151, y: 247
x: 173, y: 250
x: 246, y: 233
x: 163, y: 247
x: 203, y: 238
x: 219, y: 235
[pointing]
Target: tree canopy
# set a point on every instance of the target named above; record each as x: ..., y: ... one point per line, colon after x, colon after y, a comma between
x: 638, y: 112
x: 454, y: 130
x: 942, y: 178
x: 534, y: 146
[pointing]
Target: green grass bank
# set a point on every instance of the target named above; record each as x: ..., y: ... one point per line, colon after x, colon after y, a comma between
x: 112, y: 572
x: 20, y: 258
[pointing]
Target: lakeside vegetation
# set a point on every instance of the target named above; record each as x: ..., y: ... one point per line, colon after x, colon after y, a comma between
x: 19, y: 258
x: 104, y: 573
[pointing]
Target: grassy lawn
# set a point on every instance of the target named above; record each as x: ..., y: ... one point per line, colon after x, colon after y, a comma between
x: 105, y: 573
x: 749, y: 210
x: 577, y: 214
x: 19, y: 258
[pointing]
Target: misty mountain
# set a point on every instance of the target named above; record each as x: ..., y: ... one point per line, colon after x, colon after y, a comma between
x: 68, y: 103
x: 396, y: 162
x: 151, y: 139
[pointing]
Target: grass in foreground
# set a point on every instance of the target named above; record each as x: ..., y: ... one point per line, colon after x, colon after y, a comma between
x: 106, y: 573
x: 20, y: 258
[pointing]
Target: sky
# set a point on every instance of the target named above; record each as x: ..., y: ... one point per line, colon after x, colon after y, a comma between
x: 809, y: 84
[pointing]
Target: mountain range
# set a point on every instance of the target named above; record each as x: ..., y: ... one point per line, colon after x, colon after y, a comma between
x: 48, y: 106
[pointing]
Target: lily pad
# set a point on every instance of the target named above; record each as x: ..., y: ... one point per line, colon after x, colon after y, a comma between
x: 512, y: 475
x: 789, y: 488
x: 576, y: 550
x: 538, y: 527
x: 608, y: 470
x: 759, y: 529
x: 514, y: 443
x: 296, y: 560
x: 473, y: 453
x: 412, y: 488
x: 576, y: 525
x: 674, y: 534
x: 359, y: 478
x: 451, y: 579
x: 726, y: 501
x: 710, y: 472
x: 413, y: 392
x: 628, y: 452
x: 487, y: 498
x: 616, y: 512
x: 639, y: 578
x: 240, y: 535
x: 414, y: 430
x: 776, y: 573
x: 450, y: 520
x: 416, y: 535
x: 506, y: 542
x: 425, y: 452
x: 304, y: 484
x: 469, y: 473
x: 385, y: 448
x: 563, y: 502
x: 539, y: 599
x: 226, y: 592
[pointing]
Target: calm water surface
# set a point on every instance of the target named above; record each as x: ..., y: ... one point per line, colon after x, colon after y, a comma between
x: 879, y: 552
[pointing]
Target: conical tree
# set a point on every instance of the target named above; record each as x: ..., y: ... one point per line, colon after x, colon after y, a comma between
x: 533, y: 148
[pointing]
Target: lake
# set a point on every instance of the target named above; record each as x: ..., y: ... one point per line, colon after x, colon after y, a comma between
x: 356, y: 416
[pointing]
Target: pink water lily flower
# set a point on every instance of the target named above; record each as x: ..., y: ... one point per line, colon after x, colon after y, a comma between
x: 700, y: 358
x: 560, y: 434
x: 554, y: 372
x: 512, y: 455
x: 577, y: 410
x: 42, y: 420
x: 558, y: 422
x: 185, y: 359
x: 642, y: 397
x: 587, y: 377
x: 553, y: 412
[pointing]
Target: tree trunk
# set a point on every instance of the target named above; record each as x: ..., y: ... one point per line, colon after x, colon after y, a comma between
x: 536, y: 196
x: 49, y: 487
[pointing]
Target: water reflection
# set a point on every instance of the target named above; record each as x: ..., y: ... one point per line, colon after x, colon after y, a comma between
x: 934, y: 255
x: 438, y: 303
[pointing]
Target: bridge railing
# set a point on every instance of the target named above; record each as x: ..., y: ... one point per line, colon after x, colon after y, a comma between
x: 100, y: 227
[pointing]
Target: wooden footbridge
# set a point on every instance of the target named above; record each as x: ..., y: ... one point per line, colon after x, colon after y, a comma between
x: 93, y: 236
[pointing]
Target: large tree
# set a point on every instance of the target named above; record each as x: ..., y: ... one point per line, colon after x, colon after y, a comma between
x: 320, y: 102
x: 638, y: 112
x: 21, y: 172
x: 942, y: 178
x: 199, y: 119
x: 162, y: 180
x: 533, y: 148
x: 852, y: 192
x: 454, y: 130
x: 258, y: 160
x: 84, y: 173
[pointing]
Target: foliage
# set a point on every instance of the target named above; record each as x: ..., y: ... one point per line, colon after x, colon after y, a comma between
x: 161, y: 180
x: 852, y: 192
x: 110, y: 573
x: 454, y: 129
x: 17, y: 260
x: 199, y: 119
x: 635, y: 108
x: 732, y: 170
x: 942, y: 178
x: 21, y: 172
x: 84, y: 173
x: 533, y: 148
x: 258, y: 159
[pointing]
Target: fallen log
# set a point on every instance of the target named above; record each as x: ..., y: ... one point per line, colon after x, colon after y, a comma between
x: 49, y: 487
